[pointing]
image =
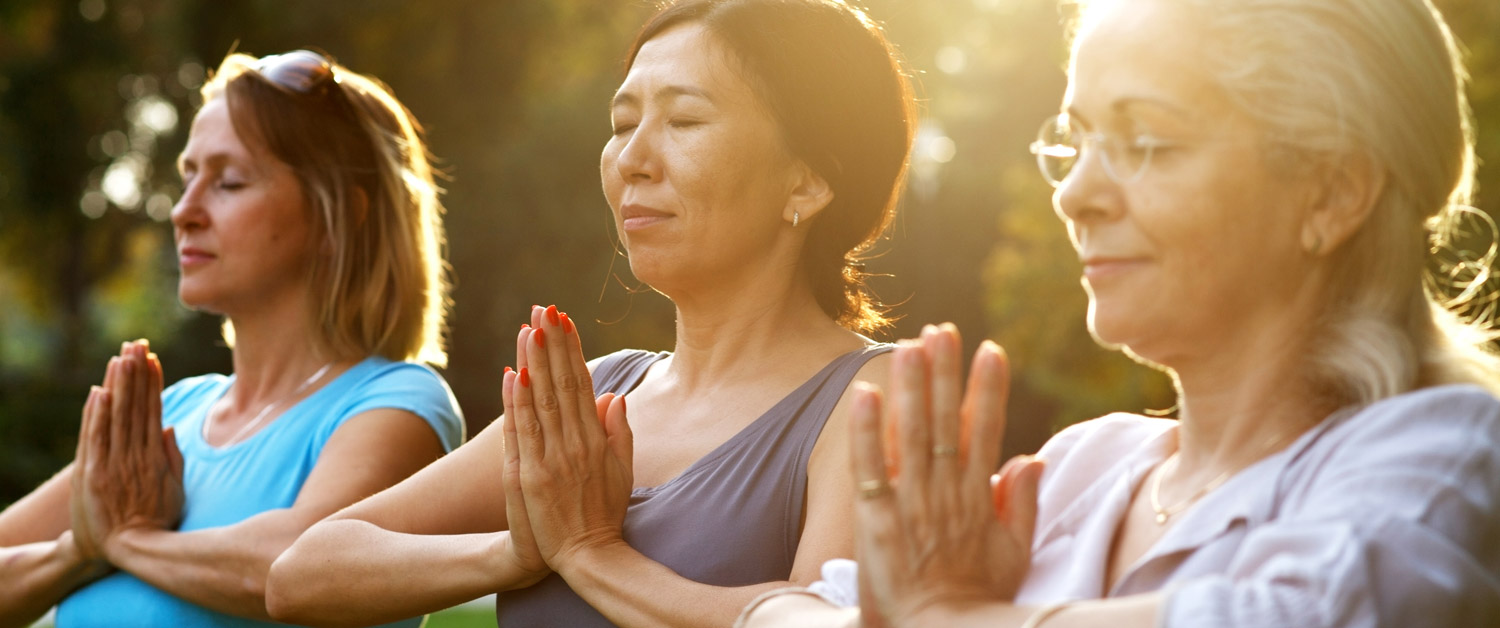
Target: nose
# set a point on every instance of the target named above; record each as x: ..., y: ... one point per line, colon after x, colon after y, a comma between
x: 1088, y: 193
x: 638, y: 160
x: 189, y: 213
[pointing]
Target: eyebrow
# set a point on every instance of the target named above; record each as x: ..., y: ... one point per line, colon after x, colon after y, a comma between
x: 1123, y: 105
x: 666, y: 93
x: 212, y: 159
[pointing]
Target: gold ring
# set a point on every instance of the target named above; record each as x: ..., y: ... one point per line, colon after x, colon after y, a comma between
x: 871, y: 489
x: 944, y: 451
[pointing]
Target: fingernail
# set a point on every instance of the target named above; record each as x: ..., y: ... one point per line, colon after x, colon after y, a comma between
x: 552, y: 315
x: 525, y: 378
x: 507, y: 370
x: 567, y: 324
x: 525, y: 325
x: 541, y: 337
x: 622, y: 403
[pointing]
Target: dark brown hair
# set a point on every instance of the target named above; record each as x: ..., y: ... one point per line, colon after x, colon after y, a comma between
x: 836, y: 88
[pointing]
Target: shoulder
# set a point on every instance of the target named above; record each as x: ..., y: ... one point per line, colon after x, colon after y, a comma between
x: 1444, y: 421
x: 1084, y: 452
x: 1110, y: 433
x: 377, y: 383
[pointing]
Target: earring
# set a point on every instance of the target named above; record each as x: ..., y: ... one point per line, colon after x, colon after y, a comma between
x: 1317, y: 244
x: 796, y: 217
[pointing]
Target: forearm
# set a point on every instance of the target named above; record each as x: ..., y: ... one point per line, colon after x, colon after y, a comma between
x: 632, y: 590
x: 351, y: 572
x: 37, y: 576
x: 222, y: 568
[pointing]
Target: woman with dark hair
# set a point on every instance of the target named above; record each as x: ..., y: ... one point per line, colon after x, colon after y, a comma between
x: 310, y: 221
x: 1255, y: 189
x: 758, y: 149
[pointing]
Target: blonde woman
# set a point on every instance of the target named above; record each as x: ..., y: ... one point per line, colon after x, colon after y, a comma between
x: 1253, y: 187
x: 309, y: 220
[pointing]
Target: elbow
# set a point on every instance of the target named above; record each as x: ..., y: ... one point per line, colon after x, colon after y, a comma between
x: 287, y: 599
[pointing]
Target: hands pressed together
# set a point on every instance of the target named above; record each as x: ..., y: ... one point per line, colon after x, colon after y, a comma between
x: 128, y: 472
x: 568, y: 455
x: 938, y: 528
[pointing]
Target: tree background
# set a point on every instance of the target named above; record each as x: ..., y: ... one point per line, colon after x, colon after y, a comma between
x: 96, y: 97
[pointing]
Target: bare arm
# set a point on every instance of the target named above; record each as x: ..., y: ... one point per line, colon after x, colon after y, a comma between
x: 444, y: 527
x: 226, y: 568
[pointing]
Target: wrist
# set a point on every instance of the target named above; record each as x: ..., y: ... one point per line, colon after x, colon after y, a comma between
x: 578, y: 561
x: 79, y: 569
x: 123, y: 543
x: 512, y: 574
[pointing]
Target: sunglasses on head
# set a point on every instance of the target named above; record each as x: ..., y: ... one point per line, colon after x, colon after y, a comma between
x: 298, y: 71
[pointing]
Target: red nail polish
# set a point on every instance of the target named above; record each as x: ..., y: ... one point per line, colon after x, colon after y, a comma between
x: 552, y: 315
x: 541, y: 337
x: 622, y: 403
x: 524, y: 378
x: 567, y: 324
x: 525, y: 325
x: 507, y: 370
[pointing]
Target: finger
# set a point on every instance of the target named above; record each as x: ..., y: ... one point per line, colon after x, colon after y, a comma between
x: 984, y: 411
x: 84, y: 423
x: 153, y: 400
x: 1021, y: 499
x: 601, y: 407
x: 908, y: 407
x: 118, y: 411
x: 583, y: 398
x: 530, y: 436
x: 548, y: 408
x: 877, y: 542
x: 621, y: 439
x: 941, y: 346
x: 143, y: 435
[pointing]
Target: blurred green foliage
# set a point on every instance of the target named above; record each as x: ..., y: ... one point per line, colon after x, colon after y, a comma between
x: 95, y: 97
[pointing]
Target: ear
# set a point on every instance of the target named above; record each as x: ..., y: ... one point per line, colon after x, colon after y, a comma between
x: 1343, y: 196
x: 810, y: 194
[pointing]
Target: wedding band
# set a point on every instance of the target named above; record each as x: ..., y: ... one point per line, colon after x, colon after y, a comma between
x: 944, y: 451
x: 871, y: 489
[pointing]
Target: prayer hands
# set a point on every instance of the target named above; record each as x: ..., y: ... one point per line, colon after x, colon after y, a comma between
x: 569, y: 468
x: 129, y: 472
x: 935, y: 529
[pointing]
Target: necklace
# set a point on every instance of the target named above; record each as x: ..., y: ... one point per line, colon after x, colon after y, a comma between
x: 266, y: 411
x: 1165, y: 513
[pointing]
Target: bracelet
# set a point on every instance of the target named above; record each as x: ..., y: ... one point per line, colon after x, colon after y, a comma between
x: 739, y: 622
x: 1046, y: 612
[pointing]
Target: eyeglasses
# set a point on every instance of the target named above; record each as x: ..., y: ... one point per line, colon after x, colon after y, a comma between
x: 1059, y: 147
x: 299, y: 71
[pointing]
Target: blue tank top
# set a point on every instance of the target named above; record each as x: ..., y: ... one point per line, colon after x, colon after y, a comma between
x: 263, y: 472
x: 732, y: 518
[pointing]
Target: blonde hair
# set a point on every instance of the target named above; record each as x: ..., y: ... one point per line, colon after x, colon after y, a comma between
x: 1380, y: 80
x: 364, y: 168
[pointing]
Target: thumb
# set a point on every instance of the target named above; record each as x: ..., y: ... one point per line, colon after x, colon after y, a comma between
x: 1014, y: 491
x: 621, y: 440
x: 601, y: 408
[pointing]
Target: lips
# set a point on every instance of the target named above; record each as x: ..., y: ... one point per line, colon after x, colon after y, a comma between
x: 189, y: 256
x: 634, y: 217
x: 1097, y: 267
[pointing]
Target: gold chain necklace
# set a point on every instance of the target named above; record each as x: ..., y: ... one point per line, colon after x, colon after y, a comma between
x: 1165, y: 513
x: 266, y: 411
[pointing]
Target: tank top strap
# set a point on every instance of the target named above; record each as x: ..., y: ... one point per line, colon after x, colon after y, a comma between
x: 822, y: 394
x: 621, y: 371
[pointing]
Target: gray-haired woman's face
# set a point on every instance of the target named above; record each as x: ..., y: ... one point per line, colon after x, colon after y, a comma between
x: 1198, y: 246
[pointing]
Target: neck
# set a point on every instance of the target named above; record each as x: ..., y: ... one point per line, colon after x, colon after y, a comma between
x: 751, y: 324
x: 275, y: 351
x: 1250, y: 395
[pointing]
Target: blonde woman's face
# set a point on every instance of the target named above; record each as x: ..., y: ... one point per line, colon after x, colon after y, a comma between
x: 241, y: 227
x: 695, y: 172
x: 1201, y: 250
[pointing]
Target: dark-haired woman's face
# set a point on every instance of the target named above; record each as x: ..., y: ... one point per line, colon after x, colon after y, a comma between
x: 243, y: 237
x: 696, y: 172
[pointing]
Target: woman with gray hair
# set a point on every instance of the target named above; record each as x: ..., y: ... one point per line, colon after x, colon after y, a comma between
x: 1254, y: 188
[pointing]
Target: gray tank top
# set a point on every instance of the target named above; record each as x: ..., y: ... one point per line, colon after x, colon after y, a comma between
x: 732, y: 518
